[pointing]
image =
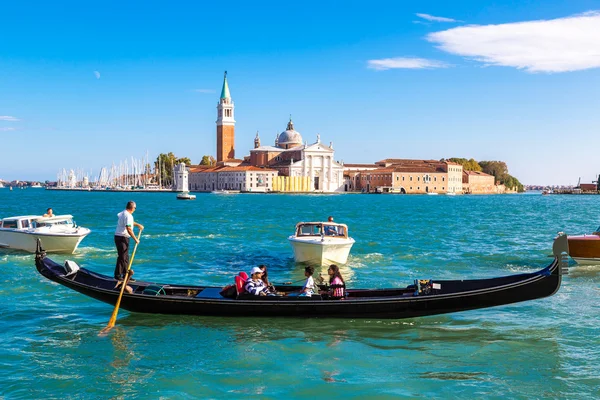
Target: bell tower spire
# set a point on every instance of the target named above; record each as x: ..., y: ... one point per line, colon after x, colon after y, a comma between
x: 225, y: 124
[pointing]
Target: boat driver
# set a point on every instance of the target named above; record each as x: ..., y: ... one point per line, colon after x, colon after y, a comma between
x: 330, y: 230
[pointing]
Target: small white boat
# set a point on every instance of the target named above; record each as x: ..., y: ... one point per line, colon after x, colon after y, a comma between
x: 321, y: 243
x: 432, y: 193
x: 186, y: 196
x: 58, y: 234
x: 36, y: 186
x: 451, y: 194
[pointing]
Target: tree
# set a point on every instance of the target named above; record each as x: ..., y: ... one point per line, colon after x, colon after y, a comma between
x: 468, y: 165
x: 208, y: 160
x: 496, y: 168
x: 164, y: 164
x: 184, y: 160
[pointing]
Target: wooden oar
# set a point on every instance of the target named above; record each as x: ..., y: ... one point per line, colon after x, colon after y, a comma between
x: 113, y: 317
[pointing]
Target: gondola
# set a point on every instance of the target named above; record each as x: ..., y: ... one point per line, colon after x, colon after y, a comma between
x: 422, y: 298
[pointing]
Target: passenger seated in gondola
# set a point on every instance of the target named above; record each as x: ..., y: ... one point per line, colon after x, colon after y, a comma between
x: 309, y: 287
x: 255, y: 285
x: 337, y: 286
x: 265, y: 279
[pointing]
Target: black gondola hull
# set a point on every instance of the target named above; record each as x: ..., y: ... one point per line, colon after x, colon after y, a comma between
x: 453, y: 296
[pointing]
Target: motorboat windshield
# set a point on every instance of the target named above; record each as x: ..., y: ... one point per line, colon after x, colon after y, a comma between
x: 304, y: 229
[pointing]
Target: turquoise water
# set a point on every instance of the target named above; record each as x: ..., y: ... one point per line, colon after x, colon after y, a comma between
x: 549, y: 348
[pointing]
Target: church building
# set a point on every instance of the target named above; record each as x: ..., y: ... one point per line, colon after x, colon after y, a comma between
x: 314, y: 163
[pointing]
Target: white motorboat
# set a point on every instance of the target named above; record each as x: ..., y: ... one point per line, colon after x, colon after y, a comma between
x: 186, y: 196
x: 58, y: 234
x: 321, y: 243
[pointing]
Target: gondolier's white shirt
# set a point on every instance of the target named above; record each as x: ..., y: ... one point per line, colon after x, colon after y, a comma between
x: 125, y: 219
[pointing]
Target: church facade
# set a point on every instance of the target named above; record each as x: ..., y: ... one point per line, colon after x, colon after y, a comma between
x: 314, y: 163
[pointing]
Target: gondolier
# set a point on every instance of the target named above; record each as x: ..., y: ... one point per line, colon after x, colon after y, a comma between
x: 124, y: 231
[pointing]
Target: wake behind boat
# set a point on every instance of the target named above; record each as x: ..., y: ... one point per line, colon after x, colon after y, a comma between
x: 422, y: 298
x: 59, y: 234
x: 321, y: 243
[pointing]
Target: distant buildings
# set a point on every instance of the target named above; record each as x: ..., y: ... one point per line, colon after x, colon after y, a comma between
x: 293, y: 165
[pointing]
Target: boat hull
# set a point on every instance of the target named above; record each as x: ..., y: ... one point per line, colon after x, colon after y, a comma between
x: 321, y: 252
x: 585, y: 249
x: 445, y: 297
x: 52, y: 243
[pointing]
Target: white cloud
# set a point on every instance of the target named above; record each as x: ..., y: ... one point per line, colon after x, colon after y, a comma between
x: 6, y: 129
x: 433, y: 18
x: 8, y: 118
x: 404, y: 62
x: 558, y: 45
x: 204, y: 90
x: 97, y: 74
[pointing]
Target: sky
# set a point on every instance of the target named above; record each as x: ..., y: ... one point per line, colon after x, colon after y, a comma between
x: 84, y: 85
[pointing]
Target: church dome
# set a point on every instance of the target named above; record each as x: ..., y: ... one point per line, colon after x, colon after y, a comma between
x: 289, y: 138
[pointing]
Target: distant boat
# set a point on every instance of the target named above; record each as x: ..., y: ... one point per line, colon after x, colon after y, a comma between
x: 432, y: 193
x: 223, y: 191
x: 186, y: 196
x: 36, y: 186
x: 2, y: 185
x: 451, y: 194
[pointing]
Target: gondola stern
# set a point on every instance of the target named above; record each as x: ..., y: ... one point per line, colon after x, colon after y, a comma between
x: 560, y: 249
x: 40, y: 255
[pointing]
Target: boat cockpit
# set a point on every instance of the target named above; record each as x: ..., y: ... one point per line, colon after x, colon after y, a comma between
x: 321, y: 229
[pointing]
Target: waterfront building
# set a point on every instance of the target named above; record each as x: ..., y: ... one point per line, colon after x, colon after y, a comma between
x: 476, y: 182
x: 243, y: 178
x: 405, y: 176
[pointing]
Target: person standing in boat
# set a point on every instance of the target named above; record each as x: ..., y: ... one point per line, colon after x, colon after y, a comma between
x: 49, y: 213
x: 330, y: 230
x: 255, y: 285
x: 124, y: 231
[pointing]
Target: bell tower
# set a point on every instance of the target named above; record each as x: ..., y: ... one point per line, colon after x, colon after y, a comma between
x: 225, y: 125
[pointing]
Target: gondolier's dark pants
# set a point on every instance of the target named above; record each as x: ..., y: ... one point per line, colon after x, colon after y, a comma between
x: 122, y: 244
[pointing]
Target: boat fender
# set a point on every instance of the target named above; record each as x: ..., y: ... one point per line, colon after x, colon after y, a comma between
x: 71, y: 267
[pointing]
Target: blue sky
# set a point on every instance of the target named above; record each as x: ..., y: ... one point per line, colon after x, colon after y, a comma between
x: 84, y: 85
